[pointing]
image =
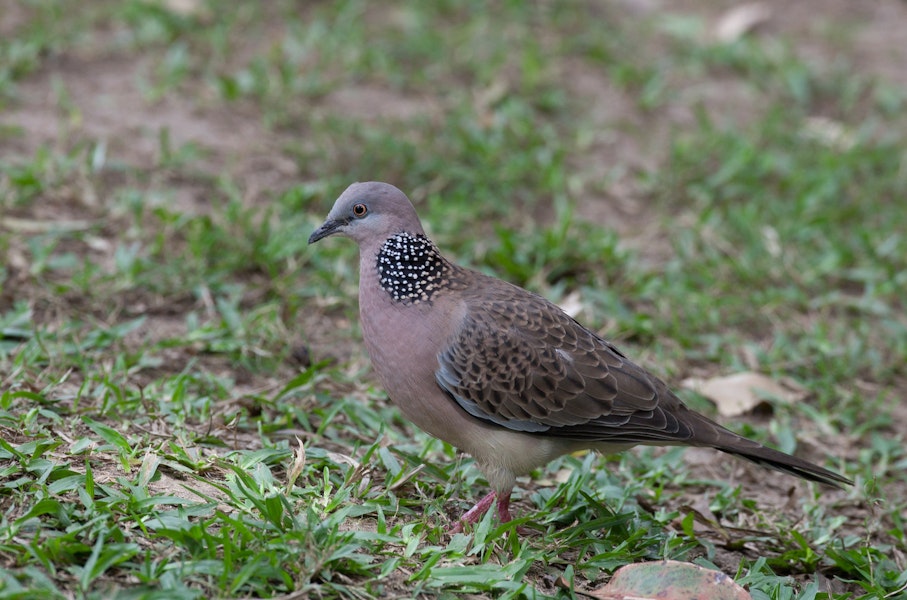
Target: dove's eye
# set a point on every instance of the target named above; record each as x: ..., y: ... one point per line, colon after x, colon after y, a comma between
x: 360, y: 210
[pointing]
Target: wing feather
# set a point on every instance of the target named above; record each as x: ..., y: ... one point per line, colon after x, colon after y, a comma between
x: 519, y: 361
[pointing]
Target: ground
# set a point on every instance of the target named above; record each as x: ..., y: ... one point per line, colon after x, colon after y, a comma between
x: 714, y: 199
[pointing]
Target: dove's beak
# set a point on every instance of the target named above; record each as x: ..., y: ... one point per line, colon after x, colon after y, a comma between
x: 329, y: 227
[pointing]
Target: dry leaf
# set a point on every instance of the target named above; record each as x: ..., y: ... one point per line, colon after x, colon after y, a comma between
x: 740, y: 393
x: 572, y: 304
x: 298, y: 464
x: 150, y: 463
x: 830, y: 133
x: 342, y: 459
x: 670, y: 580
x: 185, y: 8
x: 402, y: 481
x: 740, y: 20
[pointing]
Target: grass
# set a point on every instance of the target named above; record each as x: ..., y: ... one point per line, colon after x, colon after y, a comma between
x: 185, y: 405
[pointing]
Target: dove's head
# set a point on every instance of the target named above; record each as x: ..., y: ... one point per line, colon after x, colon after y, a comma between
x: 370, y: 213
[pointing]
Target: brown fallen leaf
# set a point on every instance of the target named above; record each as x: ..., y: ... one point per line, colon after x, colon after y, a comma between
x: 297, y: 465
x: 185, y: 8
x: 572, y: 304
x: 830, y: 133
x: 670, y: 580
x: 740, y: 20
x: 740, y: 393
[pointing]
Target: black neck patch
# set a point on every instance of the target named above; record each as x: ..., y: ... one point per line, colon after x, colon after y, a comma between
x: 411, y: 269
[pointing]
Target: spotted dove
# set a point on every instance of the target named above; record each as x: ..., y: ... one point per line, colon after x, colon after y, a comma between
x: 499, y: 372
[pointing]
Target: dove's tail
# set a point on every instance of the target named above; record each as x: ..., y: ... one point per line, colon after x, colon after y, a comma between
x: 710, y: 433
x: 775, y: 459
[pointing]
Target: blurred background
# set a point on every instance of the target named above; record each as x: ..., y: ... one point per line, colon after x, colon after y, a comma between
x: 717, y: 186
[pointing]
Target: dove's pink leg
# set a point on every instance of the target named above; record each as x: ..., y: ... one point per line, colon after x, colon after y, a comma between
x: 504, y: 508
x: 475, y: 513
